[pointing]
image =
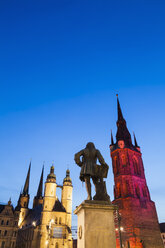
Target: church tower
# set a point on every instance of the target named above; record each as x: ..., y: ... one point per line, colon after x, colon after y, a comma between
x: 38, y: 199
x: 137, y: 213
x: 66, y: 198
x: 24, y: 197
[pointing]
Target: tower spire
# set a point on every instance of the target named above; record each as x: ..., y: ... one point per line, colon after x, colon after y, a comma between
x: 120, y: 115
x: 26, y: 186
x: 135, y: 141
x: 40, y: 186
x: 112, y: 142
x: 122, y: 131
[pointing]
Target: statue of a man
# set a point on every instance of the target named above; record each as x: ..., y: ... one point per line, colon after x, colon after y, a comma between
x: 87, y: 160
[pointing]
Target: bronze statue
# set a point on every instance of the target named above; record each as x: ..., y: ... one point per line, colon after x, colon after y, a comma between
x: 87, y: 160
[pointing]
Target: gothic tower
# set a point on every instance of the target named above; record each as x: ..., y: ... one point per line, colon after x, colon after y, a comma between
x: 23, y: 201
x: 138, y: 218
x: 66, y: 198
x: 38, y: 199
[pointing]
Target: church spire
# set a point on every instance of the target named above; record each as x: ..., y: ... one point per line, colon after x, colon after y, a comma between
x: 135, y: 141
x: 40, y: 186
x: 112, y: 142
x: 122, y: 131
x: 119, y: 112
x: 26, y: 186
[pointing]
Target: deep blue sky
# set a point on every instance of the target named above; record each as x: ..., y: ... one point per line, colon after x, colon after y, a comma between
x: 61, y: 64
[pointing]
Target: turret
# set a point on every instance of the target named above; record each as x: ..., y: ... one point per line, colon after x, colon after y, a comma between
x: 50, y: 191
x: 38, y: 199
x: 23, y: 200
x: 66, y: 197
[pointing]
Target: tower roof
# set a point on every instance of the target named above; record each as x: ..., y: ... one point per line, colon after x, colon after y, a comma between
x: 122, y: 131
x: 26, y: 186
x: 51, y: 176
x: 67, y: 178
x: 40, y: 186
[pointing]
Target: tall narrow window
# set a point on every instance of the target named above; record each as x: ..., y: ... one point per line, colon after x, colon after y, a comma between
x: 56, y: 245
x: 124, y: 160
x: 118, y: 191
x: 56, y: 220
x: 60, y: 220
x: 137, y: 191
x: 136, y: 166
x: 5, y: 233
x: 116, y: 165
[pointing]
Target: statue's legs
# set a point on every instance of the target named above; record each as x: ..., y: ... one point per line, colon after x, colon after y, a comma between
x: 88, y: 187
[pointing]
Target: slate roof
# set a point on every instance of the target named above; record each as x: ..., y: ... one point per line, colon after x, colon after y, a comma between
x: 162, y: 227
x: 2, y: 207
x: 58, y: 207
x: 34, y: 215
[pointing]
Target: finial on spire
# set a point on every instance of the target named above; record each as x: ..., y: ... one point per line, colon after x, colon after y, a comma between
x: 135, y: 141
x: 112, y: 142
x: 9, y: 202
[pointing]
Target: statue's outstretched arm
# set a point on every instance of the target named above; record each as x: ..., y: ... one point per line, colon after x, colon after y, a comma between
x: 77, y: 157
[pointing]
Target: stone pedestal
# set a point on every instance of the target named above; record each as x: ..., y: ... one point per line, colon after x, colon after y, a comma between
x: 96, y: 225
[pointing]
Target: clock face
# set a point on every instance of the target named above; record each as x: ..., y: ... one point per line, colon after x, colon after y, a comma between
x: 121, y: 143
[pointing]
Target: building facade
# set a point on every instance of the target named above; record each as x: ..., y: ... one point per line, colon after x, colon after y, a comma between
x: 162, y: 230
x: 47, y: 224
x: 8, y: 225
x: 137, y: 218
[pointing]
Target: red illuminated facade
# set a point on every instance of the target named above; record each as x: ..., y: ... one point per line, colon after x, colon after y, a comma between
x: 138, y: 218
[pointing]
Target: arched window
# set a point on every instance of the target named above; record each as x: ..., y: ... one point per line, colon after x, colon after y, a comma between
x: 123, y: 160
x: 56, y: 220
x: 24, y: 204
x: 7, y: 222
x: 5, y: 233
x: 144, y: 192
x: 126, y: 188
x: 60, y: 220
x: 116, y: 165
x: 2, y: 222
x: 118, y: 191
x: 56, y: 245
x: 136, y: 165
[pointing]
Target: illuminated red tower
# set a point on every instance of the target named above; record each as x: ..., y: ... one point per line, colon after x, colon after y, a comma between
x: 138, y: 222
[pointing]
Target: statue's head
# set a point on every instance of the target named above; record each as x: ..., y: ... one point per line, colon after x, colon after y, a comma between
x: 90, y: 146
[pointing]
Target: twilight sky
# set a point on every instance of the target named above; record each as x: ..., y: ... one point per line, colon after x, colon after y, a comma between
x: 61, y: 65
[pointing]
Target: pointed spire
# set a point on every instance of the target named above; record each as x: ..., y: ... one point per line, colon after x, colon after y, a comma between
x: 112, y: 142
x: 40, y: 186
x: 122, y: 131
x: 135, y: 141
x: 26, y: 186
x: 120, y: 115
